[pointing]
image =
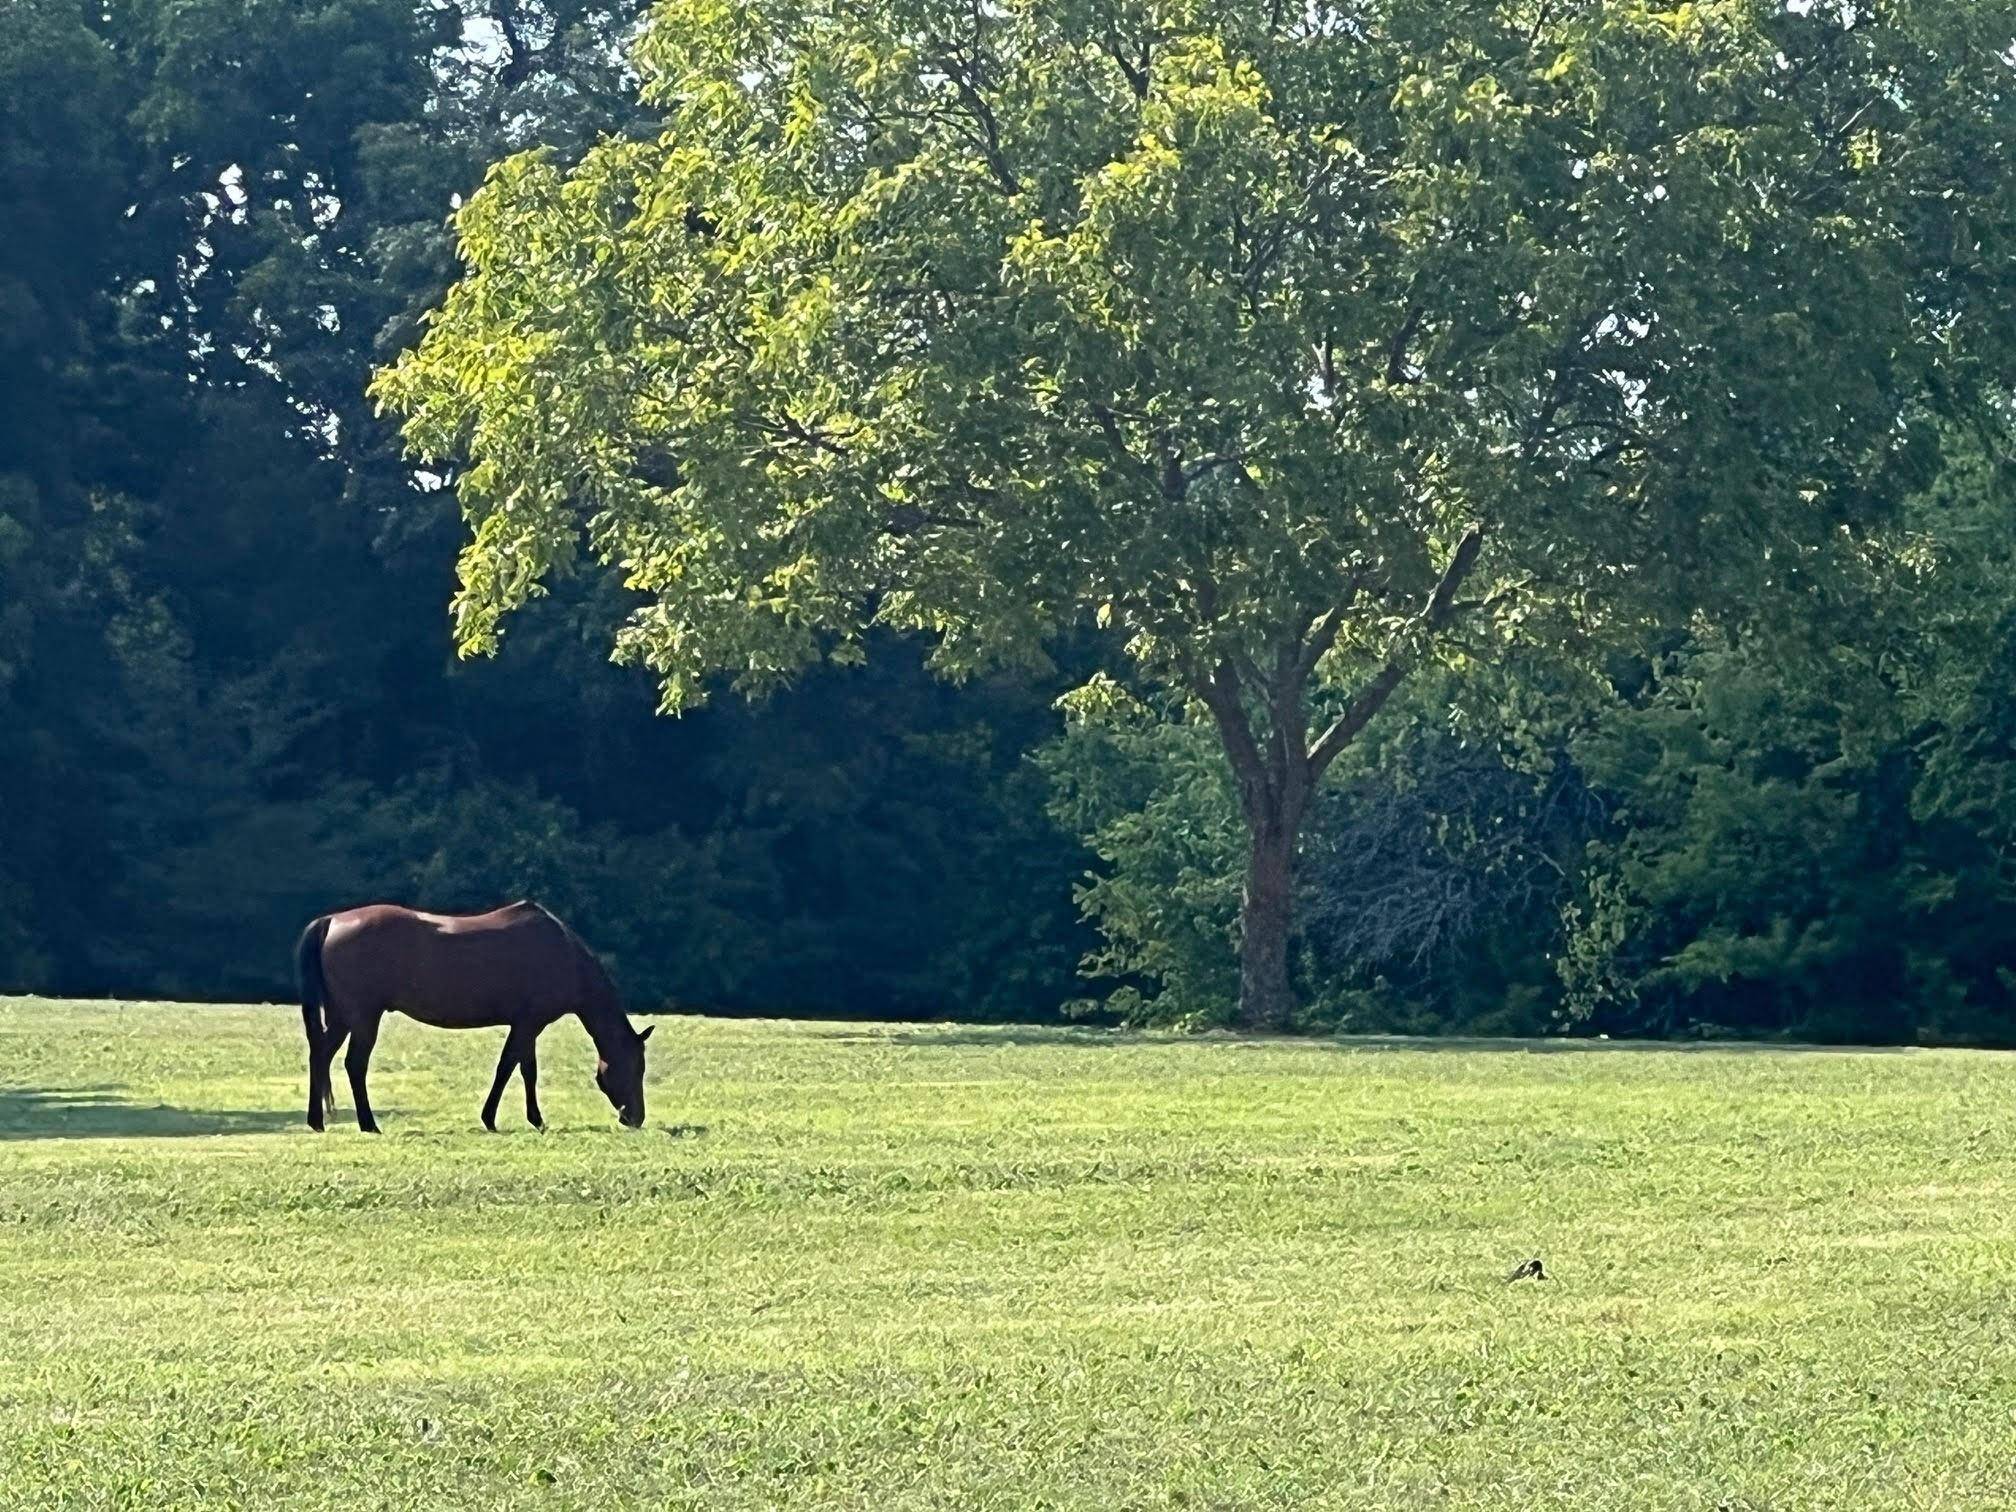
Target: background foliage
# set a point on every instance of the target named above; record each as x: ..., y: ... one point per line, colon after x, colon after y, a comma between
x: 228, y: 699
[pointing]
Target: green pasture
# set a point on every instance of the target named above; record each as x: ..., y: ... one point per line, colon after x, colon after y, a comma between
x: 885, y: 1267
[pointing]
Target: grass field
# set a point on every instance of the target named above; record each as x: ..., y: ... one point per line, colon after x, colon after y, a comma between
x: 882, y: 1267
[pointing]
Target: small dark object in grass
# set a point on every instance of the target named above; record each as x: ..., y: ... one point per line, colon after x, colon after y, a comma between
x: 1532, y: 1269
x: 685, y: 1131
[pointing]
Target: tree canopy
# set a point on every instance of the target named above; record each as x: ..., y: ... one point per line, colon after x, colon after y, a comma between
x: 1300, y: 348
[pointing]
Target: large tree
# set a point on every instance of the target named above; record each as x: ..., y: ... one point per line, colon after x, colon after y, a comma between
x: 1296, y: 344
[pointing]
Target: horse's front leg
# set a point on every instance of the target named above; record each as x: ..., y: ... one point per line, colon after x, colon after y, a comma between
x: 528, y: 1070
x: 514, y: 1048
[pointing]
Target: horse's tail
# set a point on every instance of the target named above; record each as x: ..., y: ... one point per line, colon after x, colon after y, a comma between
x: 314, y: 993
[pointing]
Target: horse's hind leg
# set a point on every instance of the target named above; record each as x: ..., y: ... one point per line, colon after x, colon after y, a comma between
x: 357, y: 1061
x: 339, y: 1031
x: 321, y: 1054
x: 514, y: 1047
x: 316, y: 1066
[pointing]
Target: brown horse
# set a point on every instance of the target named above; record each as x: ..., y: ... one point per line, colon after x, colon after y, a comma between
x: 516, y: 968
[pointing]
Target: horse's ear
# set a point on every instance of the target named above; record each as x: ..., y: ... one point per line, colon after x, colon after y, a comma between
x: 645, y: 1035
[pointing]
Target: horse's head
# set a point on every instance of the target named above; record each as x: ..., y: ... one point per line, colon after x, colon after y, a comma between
x: 619, y: 1072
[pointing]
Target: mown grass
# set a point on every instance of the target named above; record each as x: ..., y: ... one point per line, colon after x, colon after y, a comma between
x: 886, y: 1267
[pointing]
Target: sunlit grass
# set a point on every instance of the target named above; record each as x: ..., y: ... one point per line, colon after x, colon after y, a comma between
x: 888, y: 1267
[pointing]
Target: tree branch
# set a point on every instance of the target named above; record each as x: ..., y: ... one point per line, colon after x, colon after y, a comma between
x: 1136, y: 73
x: 1291, y: 728
x: 989, y: 141
x: 1372, y: 697
x: 1396, y: 350
x: 1109, y: 426
x: 515, y: 59
x: 792, y: 428
x: 1219, y: 692
x: 1460, y: 563
x: 1205, y: 466
x: 1322, y: 632
x: 908, y: 519
x: 1357, y: 714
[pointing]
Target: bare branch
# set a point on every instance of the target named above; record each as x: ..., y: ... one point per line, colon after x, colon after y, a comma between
x: 1397, y: 874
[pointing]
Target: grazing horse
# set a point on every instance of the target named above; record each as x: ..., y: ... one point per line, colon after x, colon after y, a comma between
x: 516, y: 968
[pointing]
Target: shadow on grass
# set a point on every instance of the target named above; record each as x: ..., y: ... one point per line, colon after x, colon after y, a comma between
x: 101, y: 1113
x: 953, y: 1035
x: 950, y: 1035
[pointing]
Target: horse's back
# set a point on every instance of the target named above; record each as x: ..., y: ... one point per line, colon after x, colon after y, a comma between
x: 396, y: 916
x: 453, y: 970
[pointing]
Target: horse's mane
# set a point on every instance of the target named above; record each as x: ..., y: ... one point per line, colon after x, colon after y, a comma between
x: 597, y: 972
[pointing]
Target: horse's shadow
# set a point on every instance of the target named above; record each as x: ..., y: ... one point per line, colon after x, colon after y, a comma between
x: 103, y: 1113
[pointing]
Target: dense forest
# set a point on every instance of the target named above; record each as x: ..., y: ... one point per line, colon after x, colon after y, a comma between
x: 231, y: 699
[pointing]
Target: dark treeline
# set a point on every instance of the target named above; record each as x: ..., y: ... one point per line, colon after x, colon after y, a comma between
x: 228, y: 700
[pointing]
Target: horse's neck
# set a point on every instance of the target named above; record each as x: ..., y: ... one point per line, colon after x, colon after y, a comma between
x: 605, y: 1025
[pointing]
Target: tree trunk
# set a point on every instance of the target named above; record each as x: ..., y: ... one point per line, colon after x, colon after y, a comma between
x: 1278, y: 775
x: 1266, y: 913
